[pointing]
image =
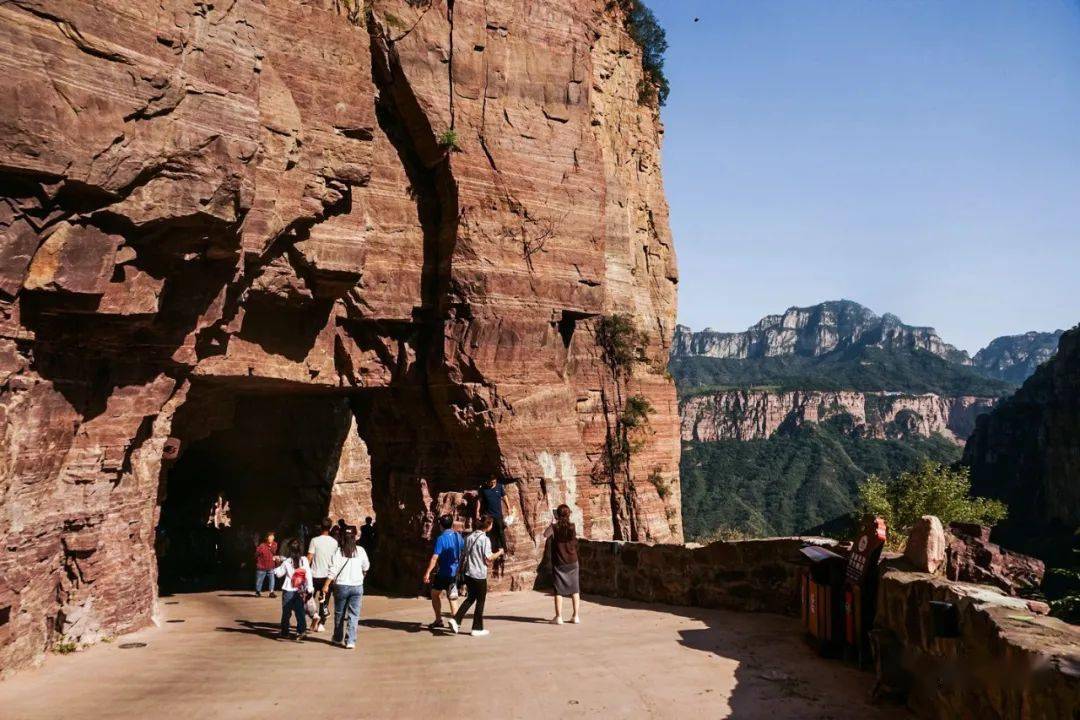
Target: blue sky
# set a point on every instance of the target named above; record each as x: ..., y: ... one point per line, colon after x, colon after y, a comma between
x: 919, y: 156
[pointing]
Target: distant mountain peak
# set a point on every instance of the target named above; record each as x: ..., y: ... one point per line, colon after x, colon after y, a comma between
x: 1015, y: 357
x: 814, y: 331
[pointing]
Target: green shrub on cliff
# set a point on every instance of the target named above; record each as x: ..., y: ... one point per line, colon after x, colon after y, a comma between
x: 647, y: 32
x: 620, y: 341
x: 931, y: 489
x: 858, y: 368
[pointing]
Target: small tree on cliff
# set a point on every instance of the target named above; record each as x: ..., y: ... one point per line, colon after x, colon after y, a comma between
x: 620, y: 341
x: 932, y: 489
x: 647, y: 32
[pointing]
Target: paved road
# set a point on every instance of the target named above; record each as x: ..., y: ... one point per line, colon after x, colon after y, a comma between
x: 626, y: 660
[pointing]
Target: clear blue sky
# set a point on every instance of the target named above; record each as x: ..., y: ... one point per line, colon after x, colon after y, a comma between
x: 919, y: 156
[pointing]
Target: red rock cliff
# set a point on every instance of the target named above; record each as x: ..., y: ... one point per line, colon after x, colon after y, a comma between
x: 418, y: 210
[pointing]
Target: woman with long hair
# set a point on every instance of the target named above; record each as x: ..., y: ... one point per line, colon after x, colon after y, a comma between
x: 347, y: 568
x: 564, y: 562
x: 296, y: 589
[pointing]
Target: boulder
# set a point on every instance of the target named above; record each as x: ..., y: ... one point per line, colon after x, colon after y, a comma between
x: 926, y: 545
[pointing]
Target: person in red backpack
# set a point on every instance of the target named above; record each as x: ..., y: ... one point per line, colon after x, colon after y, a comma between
x: 265, y: 560
x: 296, y: 589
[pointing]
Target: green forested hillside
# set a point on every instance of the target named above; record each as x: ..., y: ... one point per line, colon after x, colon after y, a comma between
x: 792, y: 481
x: 856, y: 368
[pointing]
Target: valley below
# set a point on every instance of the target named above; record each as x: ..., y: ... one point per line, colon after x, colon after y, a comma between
x: 782, y: 423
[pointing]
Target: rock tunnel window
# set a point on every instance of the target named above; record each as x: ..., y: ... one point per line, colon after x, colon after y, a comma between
x: 248, y: 465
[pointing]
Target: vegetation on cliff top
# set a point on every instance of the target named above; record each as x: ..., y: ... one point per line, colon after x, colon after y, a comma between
x: 647, y: 32
x: 864, y: 369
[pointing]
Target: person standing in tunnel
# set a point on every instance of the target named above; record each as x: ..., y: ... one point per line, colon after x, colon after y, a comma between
x: 298, y: 585
x: 265, y: 561
x: 320, y: 552
x: 369, y: 536
x: 445, y: 558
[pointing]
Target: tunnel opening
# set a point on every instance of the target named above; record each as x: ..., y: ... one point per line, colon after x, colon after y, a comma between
x: 251, y: 464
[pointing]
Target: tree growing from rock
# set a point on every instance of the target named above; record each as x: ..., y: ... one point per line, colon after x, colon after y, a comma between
x: 932, y: 489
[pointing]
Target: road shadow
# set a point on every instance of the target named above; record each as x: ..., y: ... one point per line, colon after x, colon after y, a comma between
x: 518, y: 619
x: 776, y: 671
x: 408, y: 626
x: 271, y: 631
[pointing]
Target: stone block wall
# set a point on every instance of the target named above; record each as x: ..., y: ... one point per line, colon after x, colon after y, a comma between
x: 750, y: 575
x: 1007, y: 662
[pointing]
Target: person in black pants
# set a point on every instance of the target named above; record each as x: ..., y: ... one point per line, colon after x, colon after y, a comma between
x: 476, y: 557
x: 492, y: 494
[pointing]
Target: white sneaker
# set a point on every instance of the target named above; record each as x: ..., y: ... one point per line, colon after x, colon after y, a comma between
x: 350, y: 646
x: 556, y: 621
x: 480, y: 633
x: 454, y: 626
x: 576, y: 620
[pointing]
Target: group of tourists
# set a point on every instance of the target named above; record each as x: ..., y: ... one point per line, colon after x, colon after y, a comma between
x: 464, y: 563
x: 339, y: 557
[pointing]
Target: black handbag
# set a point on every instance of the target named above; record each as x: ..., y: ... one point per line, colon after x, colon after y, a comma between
x: 459, y: 579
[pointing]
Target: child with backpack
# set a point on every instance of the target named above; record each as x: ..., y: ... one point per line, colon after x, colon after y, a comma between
x: 296, y: 589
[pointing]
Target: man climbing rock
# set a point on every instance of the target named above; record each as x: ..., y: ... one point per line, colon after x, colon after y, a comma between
x: 492, y: 495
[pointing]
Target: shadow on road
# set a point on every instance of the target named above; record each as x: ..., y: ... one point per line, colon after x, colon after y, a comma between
x: 270, y: 631
x: 774, y: 665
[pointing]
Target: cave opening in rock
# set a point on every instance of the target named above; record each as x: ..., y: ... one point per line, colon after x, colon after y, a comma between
x: 249, y: 464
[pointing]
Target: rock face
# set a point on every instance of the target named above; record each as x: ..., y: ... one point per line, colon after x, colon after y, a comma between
x: 814, y: 331
x: 1014, y: 358
x: 759, y: 414
x: 973, y: 558
x: 1027, y: 453
x: 417, y: 211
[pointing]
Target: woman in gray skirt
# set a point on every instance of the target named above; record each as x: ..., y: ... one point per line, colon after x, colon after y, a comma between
x: 564, y: 562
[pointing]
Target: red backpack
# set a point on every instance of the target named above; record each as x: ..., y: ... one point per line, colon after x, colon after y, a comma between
x: 299, y: 580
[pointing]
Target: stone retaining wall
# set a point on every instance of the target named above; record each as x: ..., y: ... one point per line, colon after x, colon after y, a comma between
x: 752, y: 575
x: 1007, y: 662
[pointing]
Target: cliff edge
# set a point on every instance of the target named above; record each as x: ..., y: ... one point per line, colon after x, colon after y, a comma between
x: 417, y: 211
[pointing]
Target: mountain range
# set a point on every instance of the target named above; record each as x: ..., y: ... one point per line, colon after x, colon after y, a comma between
x: 841, y: 344
x: 781, y: 423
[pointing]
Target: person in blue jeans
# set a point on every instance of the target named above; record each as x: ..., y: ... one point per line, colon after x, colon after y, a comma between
x: 265, y: 560
x: 347, y: 569
x: 445, y: 559
x: 296, y: 589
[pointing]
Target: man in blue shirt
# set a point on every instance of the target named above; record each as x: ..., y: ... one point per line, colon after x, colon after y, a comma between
x: 446, y: 556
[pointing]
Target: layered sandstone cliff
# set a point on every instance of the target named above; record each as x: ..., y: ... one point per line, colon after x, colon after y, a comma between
x: 759, y: 414
x: 415, y: 210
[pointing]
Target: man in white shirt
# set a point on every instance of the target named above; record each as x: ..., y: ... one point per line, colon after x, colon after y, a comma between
x: 320, y: 552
